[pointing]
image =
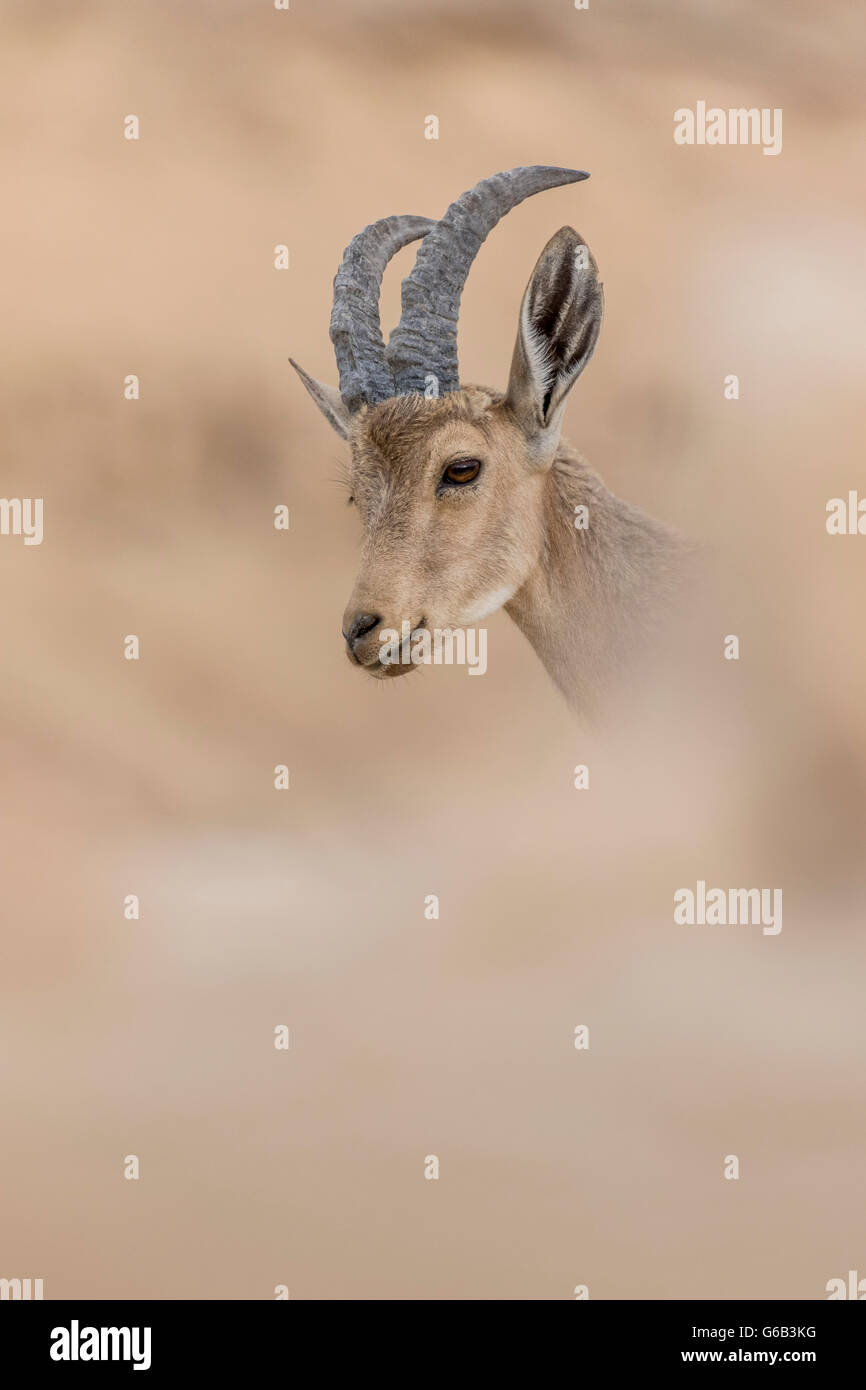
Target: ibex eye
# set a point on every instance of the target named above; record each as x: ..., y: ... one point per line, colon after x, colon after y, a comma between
x: 461, y: 471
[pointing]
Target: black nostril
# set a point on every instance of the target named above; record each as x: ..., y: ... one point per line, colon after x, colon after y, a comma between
x: 361, y: 625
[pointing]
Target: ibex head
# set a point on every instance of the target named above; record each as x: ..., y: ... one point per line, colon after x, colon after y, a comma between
x: 450, y: 481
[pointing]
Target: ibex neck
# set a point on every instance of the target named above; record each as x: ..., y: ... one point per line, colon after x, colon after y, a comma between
x: 602, y: 574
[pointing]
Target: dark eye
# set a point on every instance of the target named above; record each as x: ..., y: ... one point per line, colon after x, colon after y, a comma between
x: 460, y: 472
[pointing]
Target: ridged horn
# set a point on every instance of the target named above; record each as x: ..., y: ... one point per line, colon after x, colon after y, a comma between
x: 425, y: 340
x: 365, y: 377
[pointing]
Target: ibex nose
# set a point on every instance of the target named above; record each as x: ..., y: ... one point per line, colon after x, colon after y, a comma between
x: 360, y: 626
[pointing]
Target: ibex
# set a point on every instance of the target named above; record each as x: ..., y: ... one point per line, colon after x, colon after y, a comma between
x: 470, y: 500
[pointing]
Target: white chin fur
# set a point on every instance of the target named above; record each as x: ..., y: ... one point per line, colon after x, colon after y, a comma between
x: 490, y: 603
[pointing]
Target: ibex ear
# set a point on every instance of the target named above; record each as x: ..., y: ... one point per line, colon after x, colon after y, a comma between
x: 328, y: 399
x: 560, y: 318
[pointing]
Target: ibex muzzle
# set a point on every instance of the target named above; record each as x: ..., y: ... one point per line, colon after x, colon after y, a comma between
x: 469, y: 497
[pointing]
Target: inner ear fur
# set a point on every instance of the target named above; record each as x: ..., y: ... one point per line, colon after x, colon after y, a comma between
x: 559, y: 324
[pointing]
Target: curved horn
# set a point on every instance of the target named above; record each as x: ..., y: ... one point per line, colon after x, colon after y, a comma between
x: 365, y: 376
x: 425, y: 340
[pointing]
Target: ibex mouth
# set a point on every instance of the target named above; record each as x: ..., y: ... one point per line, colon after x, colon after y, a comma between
x: 385, y: 673
x: 393, y: 653
x: 396, y: 658
x: 380, y: 671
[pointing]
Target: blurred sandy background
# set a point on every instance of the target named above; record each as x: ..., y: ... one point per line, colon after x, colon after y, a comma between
x: 411, y: 1037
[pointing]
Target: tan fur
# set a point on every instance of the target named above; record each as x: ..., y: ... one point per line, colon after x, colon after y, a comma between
x: 581, y: 597
x: 585, y: 598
